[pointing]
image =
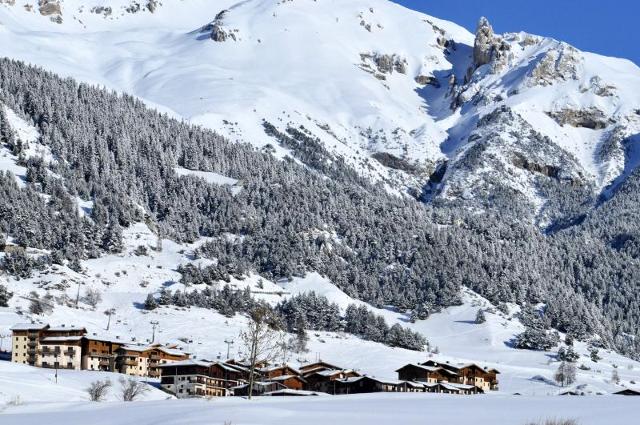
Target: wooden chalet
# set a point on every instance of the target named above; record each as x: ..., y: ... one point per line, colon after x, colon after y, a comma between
x: 317, y: 367
x: 426, y: 374
x: 433, y: 372
x: 259, y: 388
x: 293, y: 382
x: 367, y: 384
x: 275, y: 371
x: 327, y: 380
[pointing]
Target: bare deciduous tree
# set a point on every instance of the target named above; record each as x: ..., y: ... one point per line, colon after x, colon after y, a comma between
x: 92, y: 297
x: 98, y: 390
x: 262, y: 340
x: 131, y: 389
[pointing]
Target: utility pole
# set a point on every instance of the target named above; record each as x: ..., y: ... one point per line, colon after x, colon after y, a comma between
x: 55, y: 364
x: 154, y: 323
x: 78, y: 295
x: 229, y: 344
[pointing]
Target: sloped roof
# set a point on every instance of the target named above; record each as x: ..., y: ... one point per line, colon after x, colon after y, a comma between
x: 189, y: 362
x: 29, y: 327
x: 67, y: 329
x: 54, y: 339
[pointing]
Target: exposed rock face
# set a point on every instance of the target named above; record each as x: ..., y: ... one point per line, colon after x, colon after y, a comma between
x: 392, y: 161
x: 521, y: 161
x: 218, y: 33
x: 427, y: 80
x: 484, y: 43
x: 152, y: 5
x: 591, y: 118
x: 386, y: 64
x: 507, y: 164
x: 558, y: 64
x: 48, y: 8
x: 101, y: 10
x: 489, y: 49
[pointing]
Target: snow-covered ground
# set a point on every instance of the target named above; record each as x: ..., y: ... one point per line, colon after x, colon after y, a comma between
x: 374, y: 409
x: 22, y: 385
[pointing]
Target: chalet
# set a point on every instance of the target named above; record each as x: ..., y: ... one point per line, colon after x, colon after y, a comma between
x: 158, y: 355
x: 293, y: 382
x: 99, y: 353
x: 275, y: 371
x: 259, y: 388
x: 326, y: 380
x: 192, y: 378
x: 492, y: 377
x: 426, y: 374
x: 316, y: 367
x: 628, y: 391
x: 433, y: 372
x: 367, y: 384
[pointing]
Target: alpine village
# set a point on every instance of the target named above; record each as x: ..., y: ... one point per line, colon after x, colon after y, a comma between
x: 72, y: 348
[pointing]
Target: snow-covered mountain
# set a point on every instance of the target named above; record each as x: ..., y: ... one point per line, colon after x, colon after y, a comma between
x: 397, y: 93
x: 518, y: 123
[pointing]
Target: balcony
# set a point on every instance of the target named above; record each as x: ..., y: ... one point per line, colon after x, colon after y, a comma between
x: 154, y: 357
x: 130, y: 363
x: 32, y: 344
x: 105, y: 363
x: 32, y: 351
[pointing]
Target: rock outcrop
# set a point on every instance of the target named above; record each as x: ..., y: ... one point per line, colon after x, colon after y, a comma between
x: 219, y: 33
x: 591, y: 118
x: 484, y: 43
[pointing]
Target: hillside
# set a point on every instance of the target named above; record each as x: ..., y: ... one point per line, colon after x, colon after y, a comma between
x: 372, y: 154
x: 396, y: 93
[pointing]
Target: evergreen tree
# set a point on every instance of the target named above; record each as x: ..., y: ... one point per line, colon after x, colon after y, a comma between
x: 5, y: 296
x: 150, y: 303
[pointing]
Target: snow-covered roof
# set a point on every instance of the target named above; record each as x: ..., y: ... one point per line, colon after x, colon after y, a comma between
x: 426, y: 368
x: 137, y: 348
x: 189, y: 362
x: 273, y: 368
x: 53, y: 339
x: 171, y: 351
x: 228, y: 367
x: 67, y: 329
x: 29, y: 326
x: 285, y: 377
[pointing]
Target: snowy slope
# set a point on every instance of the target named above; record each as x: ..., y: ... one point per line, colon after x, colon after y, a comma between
x: 125, y: 280
x: 291, y: 63
x: 29, y: 386
x: 365, y: 76
x: 371, y: 409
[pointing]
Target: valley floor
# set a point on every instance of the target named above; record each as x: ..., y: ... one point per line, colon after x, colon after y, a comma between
x: 348, y: 410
